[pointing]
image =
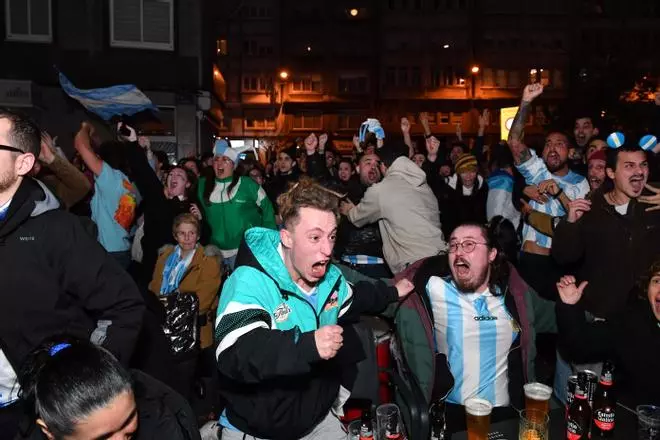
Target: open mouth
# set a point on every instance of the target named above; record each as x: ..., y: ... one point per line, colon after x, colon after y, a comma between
x: 595, y: 181
x: 461, y: 267
x: 319, y: 268
x: 637, y: 183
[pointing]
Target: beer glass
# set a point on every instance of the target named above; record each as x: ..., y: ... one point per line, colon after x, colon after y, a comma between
x: 537, y: 396
x: 649, y: 422
x: 534, y: 425
x: 354, y: 430
x: 388, y: 422
x: 477, y: 412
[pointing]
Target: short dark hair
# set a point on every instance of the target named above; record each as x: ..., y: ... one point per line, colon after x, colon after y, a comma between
x: 24, y: 133
x: 66, y: 379
x: 613, y: 154
x: 391, y: 151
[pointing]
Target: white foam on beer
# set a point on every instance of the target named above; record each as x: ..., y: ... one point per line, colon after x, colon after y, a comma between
x: 478, y: 407
x: 538, y: 391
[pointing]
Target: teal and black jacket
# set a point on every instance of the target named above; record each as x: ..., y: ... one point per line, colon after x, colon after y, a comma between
x: 273, y: 379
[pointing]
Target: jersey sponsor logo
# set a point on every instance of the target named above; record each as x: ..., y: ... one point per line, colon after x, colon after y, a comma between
x: 333, y: 302
x: 282, y: 313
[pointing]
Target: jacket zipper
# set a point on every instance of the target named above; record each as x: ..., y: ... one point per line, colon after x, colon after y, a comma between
x: 317, y: 316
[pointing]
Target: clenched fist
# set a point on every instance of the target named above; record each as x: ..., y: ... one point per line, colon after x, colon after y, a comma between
x: 329, y: 340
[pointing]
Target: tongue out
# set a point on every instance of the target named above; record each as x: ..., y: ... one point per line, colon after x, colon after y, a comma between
x: 636, y: 185
x: 318, y: 270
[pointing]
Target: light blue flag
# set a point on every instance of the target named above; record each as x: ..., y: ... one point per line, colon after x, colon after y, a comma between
x: 125, y: 99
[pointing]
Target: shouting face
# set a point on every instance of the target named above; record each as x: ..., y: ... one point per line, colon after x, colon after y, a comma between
x: 177, y: 183
x: 223, y: 167
x: 631, y: 174
x: 654, y: 295
x: 584, y: 130
x: 470, y: 258
x: 345, y: 171
x: 308, y: 246
x: 596, y: 173
x: 369, y: 169
x: 555, y: 152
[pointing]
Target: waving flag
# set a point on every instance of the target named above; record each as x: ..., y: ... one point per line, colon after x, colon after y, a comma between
x: 112, y: 101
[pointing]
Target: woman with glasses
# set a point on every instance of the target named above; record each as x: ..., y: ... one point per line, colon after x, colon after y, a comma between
x: 190, y: 268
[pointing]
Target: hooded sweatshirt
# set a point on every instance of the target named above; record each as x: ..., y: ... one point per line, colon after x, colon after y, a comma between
x: 58, y: 276
x: 407, y: 214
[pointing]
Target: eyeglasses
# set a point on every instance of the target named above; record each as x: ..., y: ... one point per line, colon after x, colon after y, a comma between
x: 467, y: 246
x: 12, y: 149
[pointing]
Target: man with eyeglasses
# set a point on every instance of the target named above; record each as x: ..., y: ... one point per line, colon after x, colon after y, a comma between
x: 54, y: 275
x: 485, y: 319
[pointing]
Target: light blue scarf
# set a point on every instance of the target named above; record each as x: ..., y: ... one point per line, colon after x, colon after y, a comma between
x: 175, y: 268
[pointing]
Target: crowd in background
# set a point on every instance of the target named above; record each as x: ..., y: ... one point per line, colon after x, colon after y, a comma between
x: 120, y: 249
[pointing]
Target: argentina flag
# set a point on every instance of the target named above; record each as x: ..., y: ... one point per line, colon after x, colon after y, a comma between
x: 112, y: 101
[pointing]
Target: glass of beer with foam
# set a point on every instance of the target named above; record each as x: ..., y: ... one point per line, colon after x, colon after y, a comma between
x: 477, y: 412
x: 537, y: 397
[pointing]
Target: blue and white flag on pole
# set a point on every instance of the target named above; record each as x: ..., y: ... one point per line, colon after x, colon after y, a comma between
x: 112, y: 101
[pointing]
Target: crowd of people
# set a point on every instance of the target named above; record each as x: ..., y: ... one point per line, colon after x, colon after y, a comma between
x: 132, y: 286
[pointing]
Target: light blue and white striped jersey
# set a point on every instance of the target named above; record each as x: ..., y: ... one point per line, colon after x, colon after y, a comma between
x: 574, y: 185
x: 500, y: 197
x: 475, y: 331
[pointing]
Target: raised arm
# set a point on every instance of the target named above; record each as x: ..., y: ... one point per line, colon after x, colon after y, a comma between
x: 520, y: 151
x: 405, y: 130
x: 67, y: 182
x: 83, y: 145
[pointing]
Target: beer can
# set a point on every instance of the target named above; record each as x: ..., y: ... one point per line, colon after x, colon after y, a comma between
x: 570, y: 390
x: 592, y: 384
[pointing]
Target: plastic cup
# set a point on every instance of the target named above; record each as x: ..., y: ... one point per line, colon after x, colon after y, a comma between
x: 477, y: 413
x: 534, y: 425
x: 648, y: 417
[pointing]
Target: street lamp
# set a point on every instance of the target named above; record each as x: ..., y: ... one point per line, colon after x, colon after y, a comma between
x: 354, y: 12
x: 475, y: 69
x: 284, y: 75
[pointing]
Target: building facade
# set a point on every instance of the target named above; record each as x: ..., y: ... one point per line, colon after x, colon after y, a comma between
x: 345, y: 61
x: 160, y: 46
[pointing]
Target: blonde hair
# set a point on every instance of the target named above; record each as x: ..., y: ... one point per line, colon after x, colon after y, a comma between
x: 306, y: 194
x: 187, y: 218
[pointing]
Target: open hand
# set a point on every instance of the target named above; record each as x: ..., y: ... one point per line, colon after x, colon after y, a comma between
x: 484, y: 118
x: 653, y: 199
x: 533, y: 193
x: 577, y: 208
x: 323, y: 139
x: 569, y: 292
x: 328, y: 340
x: 47, y: 153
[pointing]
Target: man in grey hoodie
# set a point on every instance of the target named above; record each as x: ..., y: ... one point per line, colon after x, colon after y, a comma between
x: 404, y: 207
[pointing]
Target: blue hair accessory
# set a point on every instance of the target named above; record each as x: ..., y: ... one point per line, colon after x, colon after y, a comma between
x: 57, y: 348
x: 648, y: 142
x: 616, y: 139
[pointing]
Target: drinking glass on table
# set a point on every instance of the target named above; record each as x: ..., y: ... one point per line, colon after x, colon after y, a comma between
x: 537, y: 396
x: 354, y: 430
x: 388, y: 422
x: 534, y: 425
x: 649, y: 422
x: 477, y: 413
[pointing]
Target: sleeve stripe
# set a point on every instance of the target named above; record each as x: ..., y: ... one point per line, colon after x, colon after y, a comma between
x: 348, y: 300
x: 230, y: 338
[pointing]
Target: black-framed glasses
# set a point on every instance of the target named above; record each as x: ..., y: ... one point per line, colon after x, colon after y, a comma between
x: 467, y: 246
x: 12, y: 149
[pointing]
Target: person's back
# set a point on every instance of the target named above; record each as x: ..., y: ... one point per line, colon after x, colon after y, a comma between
x: 406, y: 209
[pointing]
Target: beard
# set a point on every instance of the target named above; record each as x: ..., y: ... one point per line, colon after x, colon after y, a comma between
x: 7, y: 180
x: 470, y: 286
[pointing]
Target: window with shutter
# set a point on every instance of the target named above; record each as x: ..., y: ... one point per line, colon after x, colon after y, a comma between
x: 29, y: 20
x: 142, y: 24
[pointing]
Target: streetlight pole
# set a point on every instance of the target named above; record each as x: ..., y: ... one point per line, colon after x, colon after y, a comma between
x: 475, y: 71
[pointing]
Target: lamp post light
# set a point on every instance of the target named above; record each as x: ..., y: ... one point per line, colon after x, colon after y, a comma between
x: 354, y: 12
x: 475, y: 71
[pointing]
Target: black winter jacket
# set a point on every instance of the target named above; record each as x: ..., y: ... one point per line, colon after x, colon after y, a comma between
x: 57, y: 279
x: 612, y: 250
x: 631, y: 339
